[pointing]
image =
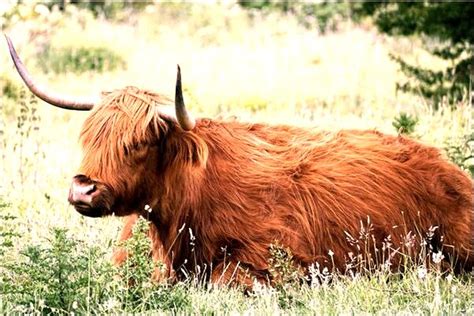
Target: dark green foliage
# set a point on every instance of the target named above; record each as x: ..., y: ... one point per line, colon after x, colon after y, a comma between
x: 135, y: 288
x: 445, y: 20
x: 405, y: 123
x: 56, y: 277
x: 80, y: 59
x: 9, y: 88
x: 450, y: 85
x: 450, y: 23
x: 286, y: 276
x: 138, y: 291
x: 65, y: 275
x: 461, y: 152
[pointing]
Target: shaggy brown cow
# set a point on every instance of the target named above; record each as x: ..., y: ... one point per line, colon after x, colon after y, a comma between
x: 222, y: 192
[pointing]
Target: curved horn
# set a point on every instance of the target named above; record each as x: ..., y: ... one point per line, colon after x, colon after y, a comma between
x: 184, y: 118
x: 64, y: 102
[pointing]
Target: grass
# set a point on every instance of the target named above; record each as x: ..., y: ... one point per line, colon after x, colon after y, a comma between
x: 259, y: 67
x: 64, y: 274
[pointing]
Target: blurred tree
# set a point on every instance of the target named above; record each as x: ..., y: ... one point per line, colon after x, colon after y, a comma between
x: 449, y: 23
x: 324, y: 14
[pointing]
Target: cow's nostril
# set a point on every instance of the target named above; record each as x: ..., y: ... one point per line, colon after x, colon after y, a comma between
x: 90, y: 189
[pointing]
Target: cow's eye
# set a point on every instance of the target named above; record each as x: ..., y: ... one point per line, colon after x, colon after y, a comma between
x: 136, y: 152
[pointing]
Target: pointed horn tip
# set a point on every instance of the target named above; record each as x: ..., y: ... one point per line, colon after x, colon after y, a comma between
x: 11, y: 48
x: 9, y: 41
x: 179, y: 73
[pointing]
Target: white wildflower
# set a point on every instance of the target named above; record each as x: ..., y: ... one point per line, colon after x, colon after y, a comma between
x: 257, y: 287
x: 431, y: 232
x: 449, y: 278
x: 314, y: 273
x: 409, y: 240
x: 111, y: 304
x: 422, y: 272
x: 437, y: 257
x: 148, y: 208
x: 330, y: 253
x: 74, y: 305
x: 386, y: 265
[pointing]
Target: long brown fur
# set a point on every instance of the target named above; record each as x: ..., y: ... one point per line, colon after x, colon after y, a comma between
x: 222, y: 193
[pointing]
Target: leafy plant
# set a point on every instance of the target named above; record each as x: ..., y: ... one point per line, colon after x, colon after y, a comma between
x: 7, y: 230
x: 286, y: 275
x: 461, y: 152
x: 53, y: 278
x: 136, y: 289
x: 80, y: 59
x: 405, y: 123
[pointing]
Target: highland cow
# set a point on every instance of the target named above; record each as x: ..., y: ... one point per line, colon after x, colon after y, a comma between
x: 221, y: 193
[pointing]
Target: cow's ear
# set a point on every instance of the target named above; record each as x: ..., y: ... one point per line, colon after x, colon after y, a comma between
x: 185, y: 148
x: 163, y: 121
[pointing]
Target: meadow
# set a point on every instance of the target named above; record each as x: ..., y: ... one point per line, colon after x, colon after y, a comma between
x: 257, y: 67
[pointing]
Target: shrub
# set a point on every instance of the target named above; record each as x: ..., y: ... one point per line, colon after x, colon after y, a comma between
x: 80, y: 59
x: 54, y: 277
x: 9, y: 88
x: 135, y: 288
x: 286, y: 276
x: 461, y: 152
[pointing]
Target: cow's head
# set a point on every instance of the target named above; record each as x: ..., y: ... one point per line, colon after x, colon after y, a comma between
x: 121, y: 140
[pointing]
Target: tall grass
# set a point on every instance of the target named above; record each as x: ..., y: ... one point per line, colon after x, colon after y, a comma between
x: 259, y: 67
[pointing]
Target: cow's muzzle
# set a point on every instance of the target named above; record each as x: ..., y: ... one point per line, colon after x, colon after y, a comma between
x: 90, y: 198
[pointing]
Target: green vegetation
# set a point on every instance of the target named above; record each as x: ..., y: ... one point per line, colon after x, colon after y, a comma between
x: 80, y: 59
x: 258, y: 64
x: 63, y: 274
x: 324, y: 15
x: 461, y: 151
x: 405, y: 123
x: 445, y: 28
x: 448, y: 34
